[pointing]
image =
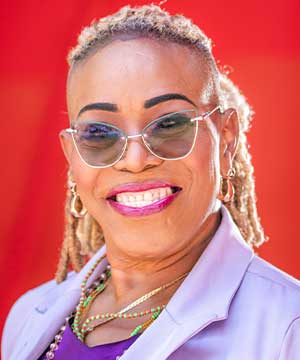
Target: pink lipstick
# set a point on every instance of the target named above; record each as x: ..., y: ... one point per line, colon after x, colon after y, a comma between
x: 149, y: 209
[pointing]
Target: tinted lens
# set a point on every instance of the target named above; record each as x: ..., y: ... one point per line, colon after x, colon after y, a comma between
x: 171, y: 136
x: 99, y: 144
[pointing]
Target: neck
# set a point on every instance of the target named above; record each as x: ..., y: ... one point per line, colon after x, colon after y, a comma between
x: 133, y: 277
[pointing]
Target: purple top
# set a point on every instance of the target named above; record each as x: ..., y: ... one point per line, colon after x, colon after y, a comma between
x: 72, y: 348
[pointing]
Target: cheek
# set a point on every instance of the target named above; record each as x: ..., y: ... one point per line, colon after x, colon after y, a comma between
x: 204, y: 166
x: 84, y: 176
x: 89, y: 185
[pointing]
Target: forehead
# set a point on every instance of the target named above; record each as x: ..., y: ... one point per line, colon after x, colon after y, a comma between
x: 128, y: 72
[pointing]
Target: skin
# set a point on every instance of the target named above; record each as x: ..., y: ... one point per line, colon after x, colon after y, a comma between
x: 146, y: 252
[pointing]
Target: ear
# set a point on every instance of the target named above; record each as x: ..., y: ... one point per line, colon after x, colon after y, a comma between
x: 229, y: 136
x: 66, y: 144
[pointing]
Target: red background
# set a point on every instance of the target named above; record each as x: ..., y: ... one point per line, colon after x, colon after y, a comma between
x: 258, y: 39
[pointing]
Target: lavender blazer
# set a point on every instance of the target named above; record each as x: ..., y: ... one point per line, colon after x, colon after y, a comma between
x: 232, y: 306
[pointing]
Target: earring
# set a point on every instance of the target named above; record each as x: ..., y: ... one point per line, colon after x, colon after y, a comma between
x: 229, y: 186
x: 74, y: 200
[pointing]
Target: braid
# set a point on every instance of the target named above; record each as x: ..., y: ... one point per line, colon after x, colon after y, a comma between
x: 243, y: 207
x: 84, y: 236
x: 147, y: 20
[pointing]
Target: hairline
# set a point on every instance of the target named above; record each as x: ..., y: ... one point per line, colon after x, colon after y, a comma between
x: 202, y: 51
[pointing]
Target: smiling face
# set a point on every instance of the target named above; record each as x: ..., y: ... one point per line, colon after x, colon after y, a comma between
x: 134, y: 76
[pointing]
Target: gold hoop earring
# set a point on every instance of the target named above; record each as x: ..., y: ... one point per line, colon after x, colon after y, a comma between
x: 229, y: 187
x: 74, y: 200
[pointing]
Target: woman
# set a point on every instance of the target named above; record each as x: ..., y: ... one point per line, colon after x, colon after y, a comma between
x: 159, y: 170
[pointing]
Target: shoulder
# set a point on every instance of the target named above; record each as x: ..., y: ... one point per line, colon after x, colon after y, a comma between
x: 272, y: 290
x: 28, y: 302
x: 31, y: 298
x: 268, y: 301
x: 267, y: 274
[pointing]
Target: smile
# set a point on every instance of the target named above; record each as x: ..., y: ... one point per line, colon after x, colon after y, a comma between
x: 141, y: 203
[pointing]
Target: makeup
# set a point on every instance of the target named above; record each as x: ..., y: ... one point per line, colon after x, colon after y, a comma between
x: 130, y: 205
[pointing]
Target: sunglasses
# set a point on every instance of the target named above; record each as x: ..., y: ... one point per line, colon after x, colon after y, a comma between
x: 169, y: 137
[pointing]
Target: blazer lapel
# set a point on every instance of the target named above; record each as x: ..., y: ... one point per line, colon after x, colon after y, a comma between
x: 204, y: 296
x: 164, y: 336
x: 49, y: 314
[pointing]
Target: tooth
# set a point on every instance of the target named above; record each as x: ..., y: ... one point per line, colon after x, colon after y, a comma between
x: 143, y: 198
x: 162, y: 192
x: 155, y: 195
x: 139, y: 197
x: 148, y: 196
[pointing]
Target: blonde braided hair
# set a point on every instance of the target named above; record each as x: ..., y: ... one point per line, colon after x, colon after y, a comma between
x: 83, y: 236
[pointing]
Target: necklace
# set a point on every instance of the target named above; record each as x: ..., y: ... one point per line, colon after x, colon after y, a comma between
x: 87, y: 297
x: 86, y: 327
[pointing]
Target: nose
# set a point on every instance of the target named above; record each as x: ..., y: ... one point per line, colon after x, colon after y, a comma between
x: 137, y: 157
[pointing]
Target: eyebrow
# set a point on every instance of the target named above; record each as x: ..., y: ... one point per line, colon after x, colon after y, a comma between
x: 166, y: 97
x: 99, y: 106
x: 147, y: 104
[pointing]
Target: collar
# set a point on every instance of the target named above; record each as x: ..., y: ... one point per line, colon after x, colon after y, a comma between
x: 204, y: 296
x: 215, y: 277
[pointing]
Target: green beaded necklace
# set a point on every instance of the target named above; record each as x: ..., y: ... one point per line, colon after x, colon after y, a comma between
x: 89, y: 295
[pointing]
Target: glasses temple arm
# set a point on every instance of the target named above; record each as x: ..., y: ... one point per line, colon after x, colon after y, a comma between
x: 70, y: 130
x: 208, y: 113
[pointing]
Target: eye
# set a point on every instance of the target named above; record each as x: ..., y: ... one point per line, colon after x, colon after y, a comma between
x: 169, y: 125
x: 95, y: 135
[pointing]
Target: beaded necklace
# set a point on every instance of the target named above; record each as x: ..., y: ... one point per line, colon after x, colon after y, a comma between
x: 87, y: 297
x: 87, y: 327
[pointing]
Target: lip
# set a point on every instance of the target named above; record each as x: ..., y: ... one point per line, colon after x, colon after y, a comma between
x: 153, y: 208
x: 139, y: 186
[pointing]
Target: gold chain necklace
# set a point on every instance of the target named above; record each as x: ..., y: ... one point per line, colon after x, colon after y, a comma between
x: 85, y: 301
x: 86, y: 327
x: 84, y: 294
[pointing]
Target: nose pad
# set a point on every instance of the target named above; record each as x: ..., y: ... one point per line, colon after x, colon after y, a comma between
x: 137, y: 157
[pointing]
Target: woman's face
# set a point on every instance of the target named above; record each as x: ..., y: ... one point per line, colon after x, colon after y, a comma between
x: 128, y: 73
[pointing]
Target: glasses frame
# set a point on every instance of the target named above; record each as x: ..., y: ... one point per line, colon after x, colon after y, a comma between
x: 197, y: 118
